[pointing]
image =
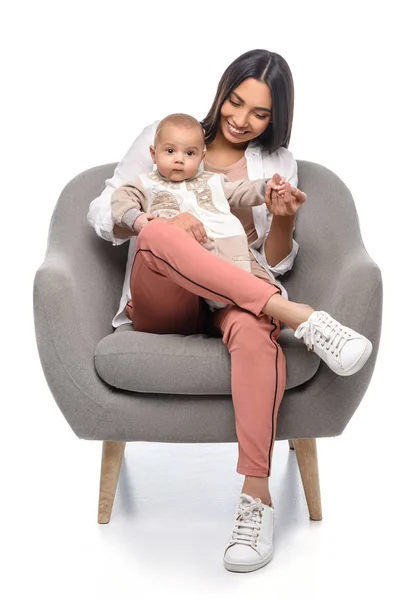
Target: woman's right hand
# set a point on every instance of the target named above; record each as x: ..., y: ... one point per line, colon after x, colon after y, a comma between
x: 191, y: 225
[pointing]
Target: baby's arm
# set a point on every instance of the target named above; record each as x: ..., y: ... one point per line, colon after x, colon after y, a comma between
x: 127, y: 203
x: 243, y: 193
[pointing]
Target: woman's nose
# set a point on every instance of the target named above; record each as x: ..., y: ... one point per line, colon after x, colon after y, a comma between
x: 240, y: 118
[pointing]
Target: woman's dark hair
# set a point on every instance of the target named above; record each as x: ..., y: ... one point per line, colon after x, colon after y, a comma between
x: 273, y: 70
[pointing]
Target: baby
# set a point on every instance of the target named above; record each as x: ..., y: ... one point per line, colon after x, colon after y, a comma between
x: 178, y: 185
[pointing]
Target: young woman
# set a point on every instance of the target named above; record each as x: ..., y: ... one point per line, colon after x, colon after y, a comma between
x: 169, y: 273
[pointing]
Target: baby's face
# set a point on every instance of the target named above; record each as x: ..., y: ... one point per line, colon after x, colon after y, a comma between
x: 179, y: 152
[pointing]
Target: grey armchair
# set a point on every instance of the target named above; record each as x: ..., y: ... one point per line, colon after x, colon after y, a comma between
x: 119, y: 386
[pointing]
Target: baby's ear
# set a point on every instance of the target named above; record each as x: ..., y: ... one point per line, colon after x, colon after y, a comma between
x: 153, y: 153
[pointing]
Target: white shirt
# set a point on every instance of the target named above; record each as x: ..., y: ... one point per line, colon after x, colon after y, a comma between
x: 260, y: 165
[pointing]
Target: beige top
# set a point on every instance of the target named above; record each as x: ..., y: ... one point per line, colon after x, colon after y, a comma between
x: 245, y: 215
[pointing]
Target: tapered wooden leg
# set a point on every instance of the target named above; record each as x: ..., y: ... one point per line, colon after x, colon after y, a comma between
x: 291, y: 445
x: 306, y: 454
x: 111, y: 461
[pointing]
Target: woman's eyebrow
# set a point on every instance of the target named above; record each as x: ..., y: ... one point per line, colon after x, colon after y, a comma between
x: 256, y: 107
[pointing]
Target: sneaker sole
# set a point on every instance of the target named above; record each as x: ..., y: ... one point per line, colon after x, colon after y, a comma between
x: 246, y: 568
x: 360, y: 363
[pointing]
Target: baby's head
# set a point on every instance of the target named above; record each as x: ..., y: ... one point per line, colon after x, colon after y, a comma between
x: 178, y: 147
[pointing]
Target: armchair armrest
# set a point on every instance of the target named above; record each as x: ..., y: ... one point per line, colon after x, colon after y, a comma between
x: 76, y: 293
x: 344, y: 289
x: 332, y: 270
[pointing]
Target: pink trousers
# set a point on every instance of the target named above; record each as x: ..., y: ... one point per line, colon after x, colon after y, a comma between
x: 171, y: 274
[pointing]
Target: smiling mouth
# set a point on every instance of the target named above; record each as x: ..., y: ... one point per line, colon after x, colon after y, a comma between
x: 235, y: 130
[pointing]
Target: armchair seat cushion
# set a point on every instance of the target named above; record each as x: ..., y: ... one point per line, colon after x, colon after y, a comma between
x: 184, y: 364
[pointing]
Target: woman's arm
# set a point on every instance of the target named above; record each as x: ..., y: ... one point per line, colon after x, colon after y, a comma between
x: 122, y: 233
x: 279, y: 242
x: 137, y: 160
x: 279, y: 245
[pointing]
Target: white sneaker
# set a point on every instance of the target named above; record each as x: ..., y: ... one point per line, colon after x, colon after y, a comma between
x: 250, y: 544
x: 344, y: 350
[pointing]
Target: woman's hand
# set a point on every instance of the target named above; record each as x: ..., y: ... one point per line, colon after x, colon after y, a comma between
x: 281, y: 198
x: 190, y: 224
x: 141, y: 222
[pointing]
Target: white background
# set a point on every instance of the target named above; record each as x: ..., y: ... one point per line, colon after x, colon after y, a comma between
x: 79, y: 81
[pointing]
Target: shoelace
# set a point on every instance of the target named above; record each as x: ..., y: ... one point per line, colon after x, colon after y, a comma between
x: 248, y: 523
x: 322, y: 324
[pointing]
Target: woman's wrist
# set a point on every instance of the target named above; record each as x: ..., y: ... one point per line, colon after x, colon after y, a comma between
x: 284, y: 223
x: 122, y: 232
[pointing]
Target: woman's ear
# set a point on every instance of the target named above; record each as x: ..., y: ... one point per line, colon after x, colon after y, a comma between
x: 153, y: 153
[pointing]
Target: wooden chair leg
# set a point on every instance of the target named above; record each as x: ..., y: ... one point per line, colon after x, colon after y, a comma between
x: 291, y: 445
x: 307, y: 459
x: 111, y: 461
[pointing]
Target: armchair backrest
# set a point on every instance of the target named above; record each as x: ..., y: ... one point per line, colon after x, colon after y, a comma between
x: 327, y: 230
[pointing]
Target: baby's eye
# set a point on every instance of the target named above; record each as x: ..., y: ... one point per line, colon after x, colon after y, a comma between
x: 190, y: 153
x: 169, y: 150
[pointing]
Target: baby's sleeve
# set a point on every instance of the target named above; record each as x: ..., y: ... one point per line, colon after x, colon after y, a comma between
x: 127, y: 203
x: 136, y: 160
x: 244, y: 193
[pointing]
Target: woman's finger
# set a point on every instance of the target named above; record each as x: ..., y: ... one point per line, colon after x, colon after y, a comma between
x: 196, y: 232
x: 267, y: 198
x: 201, y: 233
x: 274, y: 202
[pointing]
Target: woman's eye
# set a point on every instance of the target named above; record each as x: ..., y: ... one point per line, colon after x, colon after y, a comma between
x: 262, y: 117
x: 234, y: 103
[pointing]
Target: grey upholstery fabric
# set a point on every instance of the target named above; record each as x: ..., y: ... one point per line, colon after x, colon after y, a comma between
x: 76, y: 294
x: 184, y: 364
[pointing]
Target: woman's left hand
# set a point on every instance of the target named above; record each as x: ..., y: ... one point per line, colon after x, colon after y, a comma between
x: 281, y: 198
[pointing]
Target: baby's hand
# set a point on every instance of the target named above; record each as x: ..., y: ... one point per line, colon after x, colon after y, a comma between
x: 275, y: 187
x: 281, y: 198
x: 142, y: 221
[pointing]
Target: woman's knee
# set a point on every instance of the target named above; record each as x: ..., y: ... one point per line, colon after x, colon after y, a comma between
x: 154, y: 231
x: 249, y: 329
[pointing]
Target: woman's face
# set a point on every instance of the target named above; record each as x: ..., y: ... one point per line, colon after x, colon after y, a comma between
x: 246, y: 112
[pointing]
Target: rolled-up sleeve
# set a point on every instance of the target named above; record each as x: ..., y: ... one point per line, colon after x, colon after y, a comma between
x: 286, y: 263
x: 287, y: 167
x: 136, y: 161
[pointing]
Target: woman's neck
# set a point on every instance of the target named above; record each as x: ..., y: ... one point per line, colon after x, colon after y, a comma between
x: 222, y: 153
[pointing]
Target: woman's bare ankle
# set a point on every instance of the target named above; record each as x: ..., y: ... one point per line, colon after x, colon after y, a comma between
x: 291, y: 313
x: 257, y: 487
